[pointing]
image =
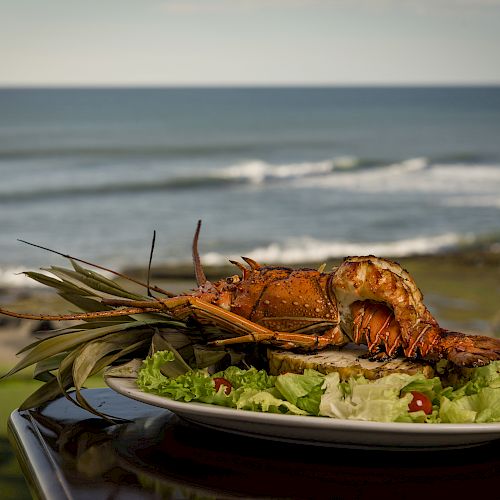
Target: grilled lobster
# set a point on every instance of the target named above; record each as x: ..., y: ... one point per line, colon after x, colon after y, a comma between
x: 366, y: 300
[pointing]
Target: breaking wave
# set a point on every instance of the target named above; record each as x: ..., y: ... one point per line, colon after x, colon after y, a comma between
x: 13, y: 277
x: 248, y: 172
x: 299, y: 251
x: 347, y: 173
x: 306, y: 249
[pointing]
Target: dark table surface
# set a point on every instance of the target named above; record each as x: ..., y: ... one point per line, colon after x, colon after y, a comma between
x: 66, y: 452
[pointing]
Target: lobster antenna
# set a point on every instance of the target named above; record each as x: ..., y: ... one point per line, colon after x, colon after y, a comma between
x: 97, y: 266
x: 201, y: 279
x: 149, y: 264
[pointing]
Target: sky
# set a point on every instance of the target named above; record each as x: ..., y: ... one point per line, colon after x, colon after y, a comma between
x: 249, y: 42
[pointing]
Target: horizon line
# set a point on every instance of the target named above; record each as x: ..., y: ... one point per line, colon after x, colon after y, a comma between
x: 96, y: 86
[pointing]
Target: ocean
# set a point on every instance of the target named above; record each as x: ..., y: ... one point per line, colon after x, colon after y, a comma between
x: 283, y: 175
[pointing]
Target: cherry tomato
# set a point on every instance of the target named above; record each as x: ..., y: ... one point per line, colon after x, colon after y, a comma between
x: 218, y: 381
x: 420, y: 402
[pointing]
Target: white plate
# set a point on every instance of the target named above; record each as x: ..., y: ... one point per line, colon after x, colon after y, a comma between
x: 322, y: 431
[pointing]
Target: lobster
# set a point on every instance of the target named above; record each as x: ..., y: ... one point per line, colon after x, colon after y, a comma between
x: 365, y: 300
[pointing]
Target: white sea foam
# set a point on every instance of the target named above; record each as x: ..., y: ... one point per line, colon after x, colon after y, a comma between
x: 308, y: 249
x: 257, y: 172
x: 415, y: 174
x: 14, y: 277
x: 412, y: 175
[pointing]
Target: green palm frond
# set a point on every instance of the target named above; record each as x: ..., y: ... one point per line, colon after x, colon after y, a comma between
x: 65, y: 358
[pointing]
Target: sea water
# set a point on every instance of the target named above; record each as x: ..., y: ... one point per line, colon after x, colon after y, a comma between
x: 283, y: 175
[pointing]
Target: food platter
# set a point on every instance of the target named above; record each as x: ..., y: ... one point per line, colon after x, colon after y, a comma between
x: 319, y: 431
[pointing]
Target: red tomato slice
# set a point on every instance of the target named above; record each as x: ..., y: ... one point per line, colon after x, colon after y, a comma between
x: 218, y: 381
x: 420, y: 402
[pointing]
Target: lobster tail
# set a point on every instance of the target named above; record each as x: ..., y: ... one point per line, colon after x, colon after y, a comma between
x: 374, y: 324
x: 467, y: 350
x: 381, y: 306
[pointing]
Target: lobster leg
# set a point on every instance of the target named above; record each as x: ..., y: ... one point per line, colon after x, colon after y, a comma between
x: 184, y: 306
x: 81, y: 316
x: 374, y: 325
x: 290, y: 340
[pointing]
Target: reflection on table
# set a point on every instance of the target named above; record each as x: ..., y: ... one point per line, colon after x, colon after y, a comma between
x: 66, y: 452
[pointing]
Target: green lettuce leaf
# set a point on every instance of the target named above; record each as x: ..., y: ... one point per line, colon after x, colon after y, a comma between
x: 431, y: 387
x: 251, y: 378
x: 379, y: 400
x: 475, y: 399
x: 266, y: 401
x: 191, y: 386
x: 304, y: 391
x: 252, y: 389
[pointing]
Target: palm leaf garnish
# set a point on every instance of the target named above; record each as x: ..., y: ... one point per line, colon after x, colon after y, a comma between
x: 65, y: 358
x: 102, y: 268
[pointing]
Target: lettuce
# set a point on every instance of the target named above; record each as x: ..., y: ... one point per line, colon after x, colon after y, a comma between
x: 305, y: 391
x: 266, y: 401
x: 475, y: 399
x: 251, y: 378
x: 378, y: 400
x: 252, y: 389
x: 194, y: 385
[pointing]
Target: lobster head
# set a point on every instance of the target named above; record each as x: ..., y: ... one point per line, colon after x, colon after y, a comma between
x: 280, y: 298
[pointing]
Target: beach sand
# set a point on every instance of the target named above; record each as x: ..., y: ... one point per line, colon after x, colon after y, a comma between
x: 461, y: 289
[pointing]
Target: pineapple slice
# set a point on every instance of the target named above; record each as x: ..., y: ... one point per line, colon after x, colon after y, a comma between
x: 347, y: 361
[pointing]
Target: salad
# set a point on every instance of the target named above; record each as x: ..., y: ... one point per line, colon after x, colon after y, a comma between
x: 396, y: 397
